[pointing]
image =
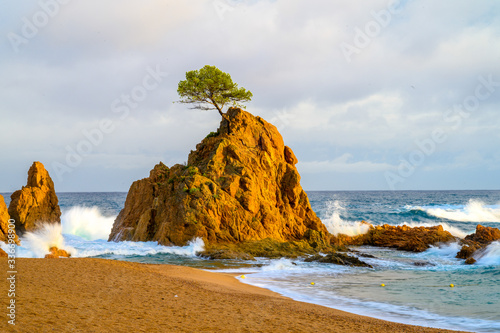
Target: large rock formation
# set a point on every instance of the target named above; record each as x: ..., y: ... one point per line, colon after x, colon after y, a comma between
x: 477, y: 241
x: 4, y: 224
x: 36, y: 202
x: 235, y: 187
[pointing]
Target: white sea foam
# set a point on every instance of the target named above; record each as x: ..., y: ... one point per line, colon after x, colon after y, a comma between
x: 37, y: 243
x: 87, y: 222
x: 444, y: 250
x: 491, y: 255
x: 101, y: 247
x: 83, y: 233
x: 474, y: 211
x: 336, y: 225
x: 457, y: 232
x: 443, y: 256
x: 282, y: 264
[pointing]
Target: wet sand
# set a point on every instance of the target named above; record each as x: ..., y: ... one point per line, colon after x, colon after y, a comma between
x: 96, y: 295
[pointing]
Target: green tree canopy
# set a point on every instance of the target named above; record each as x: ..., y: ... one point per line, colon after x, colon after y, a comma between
x: 211, y: 89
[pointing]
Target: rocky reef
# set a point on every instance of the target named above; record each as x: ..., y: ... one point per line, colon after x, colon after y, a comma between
x: 235, y: 188
x: 269, y: 248
x: 338, y: 258
x: 414, y: 239
x: 474, y: 243
x: 419, y: 239
x: 36, y: 202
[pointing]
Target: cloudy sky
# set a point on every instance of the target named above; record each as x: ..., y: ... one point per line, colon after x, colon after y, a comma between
x: 371, y: 95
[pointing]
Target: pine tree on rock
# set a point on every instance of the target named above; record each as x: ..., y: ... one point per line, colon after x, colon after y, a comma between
x: 211, y: 89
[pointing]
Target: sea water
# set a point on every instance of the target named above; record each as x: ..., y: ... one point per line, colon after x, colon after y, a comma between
x: 417, y: 285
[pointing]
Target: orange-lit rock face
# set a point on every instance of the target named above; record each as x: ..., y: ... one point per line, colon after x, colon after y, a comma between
x: 477, y: 241
x: 36, y: 202
x: 237, y: 187
x: 416, y: 239
x: 57, y: 253
x: 4, y: 223
x: 484, y: 235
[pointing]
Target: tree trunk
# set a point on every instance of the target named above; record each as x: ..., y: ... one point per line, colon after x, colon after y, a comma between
x: 224, y: 116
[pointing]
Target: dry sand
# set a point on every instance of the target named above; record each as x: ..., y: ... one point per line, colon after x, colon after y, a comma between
x: 93, y: 295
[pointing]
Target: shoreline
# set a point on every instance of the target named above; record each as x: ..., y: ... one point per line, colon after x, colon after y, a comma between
x: 100, y: 295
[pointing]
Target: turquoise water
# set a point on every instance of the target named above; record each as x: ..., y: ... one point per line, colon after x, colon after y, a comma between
x: 412, y: 294
x: 417, y: 286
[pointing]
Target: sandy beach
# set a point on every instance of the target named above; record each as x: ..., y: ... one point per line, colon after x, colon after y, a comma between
x: 94, y: 295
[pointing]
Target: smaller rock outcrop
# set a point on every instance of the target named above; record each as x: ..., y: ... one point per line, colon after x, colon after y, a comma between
x: 338, y: 259
x: 477, y: 241
x: 4, y: 224
x: 423, y: 263
x: 36, y: 202
x: 224, y: 254
x: 57, y: 253
x: 416, y: 239
x: 269, y: 248
x: 484, y: 235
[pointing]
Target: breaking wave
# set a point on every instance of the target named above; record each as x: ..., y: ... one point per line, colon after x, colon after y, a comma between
x: 87, y: 223
x: 101, y: 248
x: 337, y: 225
x: 491, y: 255
x: 444, y: 250
x: 474, y: 211
x: 37, y: 243
x: 84, y: 231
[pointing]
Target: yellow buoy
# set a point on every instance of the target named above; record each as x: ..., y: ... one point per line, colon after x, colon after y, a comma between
x: 243, y: 276
x: 382, y: 285
x: 312, y: 283
x: 452, y: 285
